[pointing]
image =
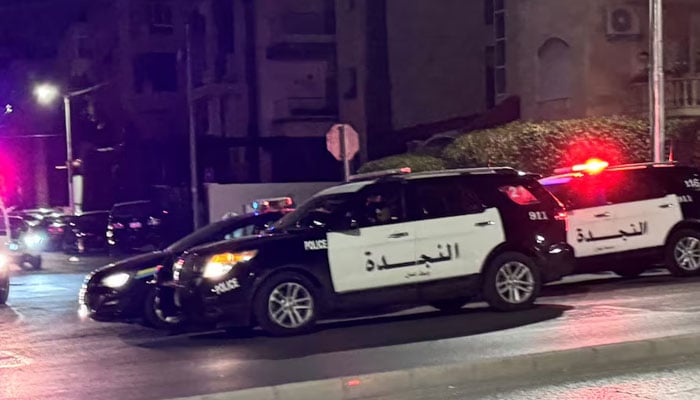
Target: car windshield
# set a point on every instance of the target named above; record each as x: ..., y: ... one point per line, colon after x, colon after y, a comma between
x: 315, y: 213
x: 203, y: 235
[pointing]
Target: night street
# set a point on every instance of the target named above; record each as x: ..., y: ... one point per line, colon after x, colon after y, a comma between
x: 49, y: 353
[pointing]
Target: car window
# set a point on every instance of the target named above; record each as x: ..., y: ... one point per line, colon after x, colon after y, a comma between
x: 628, y: 186
x: 248, y: 230
x: 380, y: 204
x: 439, y: 198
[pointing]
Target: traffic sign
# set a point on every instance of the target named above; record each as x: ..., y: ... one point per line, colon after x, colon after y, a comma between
x: 334, y: 145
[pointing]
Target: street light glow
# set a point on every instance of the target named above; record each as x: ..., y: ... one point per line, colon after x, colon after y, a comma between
x: 46, y: 93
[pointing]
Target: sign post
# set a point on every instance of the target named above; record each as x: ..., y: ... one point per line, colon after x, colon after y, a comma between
x: 343, y: 142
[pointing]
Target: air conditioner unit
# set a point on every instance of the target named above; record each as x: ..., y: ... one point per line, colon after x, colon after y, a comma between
x: 623, y: 21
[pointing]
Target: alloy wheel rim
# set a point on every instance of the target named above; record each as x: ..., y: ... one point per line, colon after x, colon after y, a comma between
x: 290, y: 305
x: 515, y: 282
x: 687, y: 253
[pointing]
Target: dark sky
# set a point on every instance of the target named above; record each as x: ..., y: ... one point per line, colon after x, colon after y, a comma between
x: 33, y: 28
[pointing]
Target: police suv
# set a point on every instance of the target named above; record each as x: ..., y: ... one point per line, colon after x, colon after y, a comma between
x: 629, y: 218
x: 440, y: 238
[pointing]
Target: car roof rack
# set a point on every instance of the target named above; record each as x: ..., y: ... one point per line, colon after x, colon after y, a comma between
x: 379, y: 174
x: 469, y: 171
x: 436, y: 173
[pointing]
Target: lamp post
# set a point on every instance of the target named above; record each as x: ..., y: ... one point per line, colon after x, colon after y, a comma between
x: 46, y: 94
x: 656, y: 87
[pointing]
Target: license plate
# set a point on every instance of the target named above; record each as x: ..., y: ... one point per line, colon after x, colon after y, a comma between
x: 135, y: 225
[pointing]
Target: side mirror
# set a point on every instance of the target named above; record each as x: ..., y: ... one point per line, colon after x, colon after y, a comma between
x: 348, y: 223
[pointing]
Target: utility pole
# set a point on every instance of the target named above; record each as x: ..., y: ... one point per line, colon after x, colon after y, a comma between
x: 194, y: 182
x: 656, y: 82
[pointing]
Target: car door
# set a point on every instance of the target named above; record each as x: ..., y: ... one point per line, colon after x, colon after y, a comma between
x: 591, y: 231
x: 454, y: 231
x: 379, y: 251
x: 642, y: 212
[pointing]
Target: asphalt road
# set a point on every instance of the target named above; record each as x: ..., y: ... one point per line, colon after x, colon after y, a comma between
x: 47, y: 352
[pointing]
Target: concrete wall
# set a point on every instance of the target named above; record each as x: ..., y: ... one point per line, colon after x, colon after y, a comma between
x: 436, y: 59
x: 234, y: 197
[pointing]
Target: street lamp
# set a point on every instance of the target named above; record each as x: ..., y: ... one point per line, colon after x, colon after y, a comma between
x: 46, y: 94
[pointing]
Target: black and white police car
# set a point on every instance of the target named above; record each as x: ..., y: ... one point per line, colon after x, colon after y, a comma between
x: 629, y: 218
x: 439, y: 238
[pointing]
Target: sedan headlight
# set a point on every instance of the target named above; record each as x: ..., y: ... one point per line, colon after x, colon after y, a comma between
x: 220, y: 264
x: 115, y: 281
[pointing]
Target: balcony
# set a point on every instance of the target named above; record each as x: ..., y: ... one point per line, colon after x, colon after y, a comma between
x: 682, y: 97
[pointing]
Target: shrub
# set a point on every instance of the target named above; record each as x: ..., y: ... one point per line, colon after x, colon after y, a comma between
x: 417, y: 163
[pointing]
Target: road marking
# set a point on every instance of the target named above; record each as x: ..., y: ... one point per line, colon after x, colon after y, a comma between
x: 9, y: 359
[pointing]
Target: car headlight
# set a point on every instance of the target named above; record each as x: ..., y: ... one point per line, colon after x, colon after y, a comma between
x: 220, y: 264
x: 115, y: 281
x: 32, y: 240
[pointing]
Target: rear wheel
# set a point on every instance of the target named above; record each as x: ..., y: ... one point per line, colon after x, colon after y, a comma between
x: 683, y: 253
x: 511, y: 282
x: 286, y: 304
x: 4, y: 290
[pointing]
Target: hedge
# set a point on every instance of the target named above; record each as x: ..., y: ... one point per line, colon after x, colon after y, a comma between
x: 416, y: 162
x: 542, y: 146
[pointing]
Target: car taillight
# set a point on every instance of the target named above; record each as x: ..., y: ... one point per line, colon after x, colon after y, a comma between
x: 519, y: 195
x: 563, y: 216
x: 116, y: 225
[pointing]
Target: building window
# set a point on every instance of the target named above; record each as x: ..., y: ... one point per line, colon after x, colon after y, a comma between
x: 499, y: 18
x: 555, y: 70
x: 155, y: 72
x: 160, y: 17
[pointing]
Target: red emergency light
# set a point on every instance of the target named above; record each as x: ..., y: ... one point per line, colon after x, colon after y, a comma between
x: 592, y: 166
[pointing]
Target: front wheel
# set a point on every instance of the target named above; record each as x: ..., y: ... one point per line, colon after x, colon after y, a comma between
x: 154, y: 316
x: 4, y: 290
x: 683, y: 253
x: 511, y: 282
x: 286, y: 304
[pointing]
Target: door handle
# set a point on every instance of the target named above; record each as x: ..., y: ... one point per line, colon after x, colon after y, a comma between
x: 398, y: 235
x: 603, y: 215
x: 485, y: 223
x: 667, y: 205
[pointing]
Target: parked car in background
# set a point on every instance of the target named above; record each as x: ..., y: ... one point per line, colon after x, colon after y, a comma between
x: 138, y: 226
x: 125, y: 289
x: 24, y: 250
x: 86, y: 233
x: 47, y: 227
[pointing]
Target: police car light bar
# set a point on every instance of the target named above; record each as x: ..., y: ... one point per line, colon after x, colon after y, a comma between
x: 277, y: 203
x: 380, y: 174
x: 592, y: 166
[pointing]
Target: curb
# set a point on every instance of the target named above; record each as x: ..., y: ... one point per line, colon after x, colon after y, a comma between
x: 386, y: 383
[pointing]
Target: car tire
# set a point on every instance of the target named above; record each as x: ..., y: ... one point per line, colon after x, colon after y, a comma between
x: 683, y: 243
x: 511, y: 282
x: 153, y: 317
x: 4, y: 290
x: 35, y: 262
x: 449, y: 306
x: 286, y: 304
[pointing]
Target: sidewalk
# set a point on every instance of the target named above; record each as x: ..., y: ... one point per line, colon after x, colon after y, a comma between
x: 457, y: 381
